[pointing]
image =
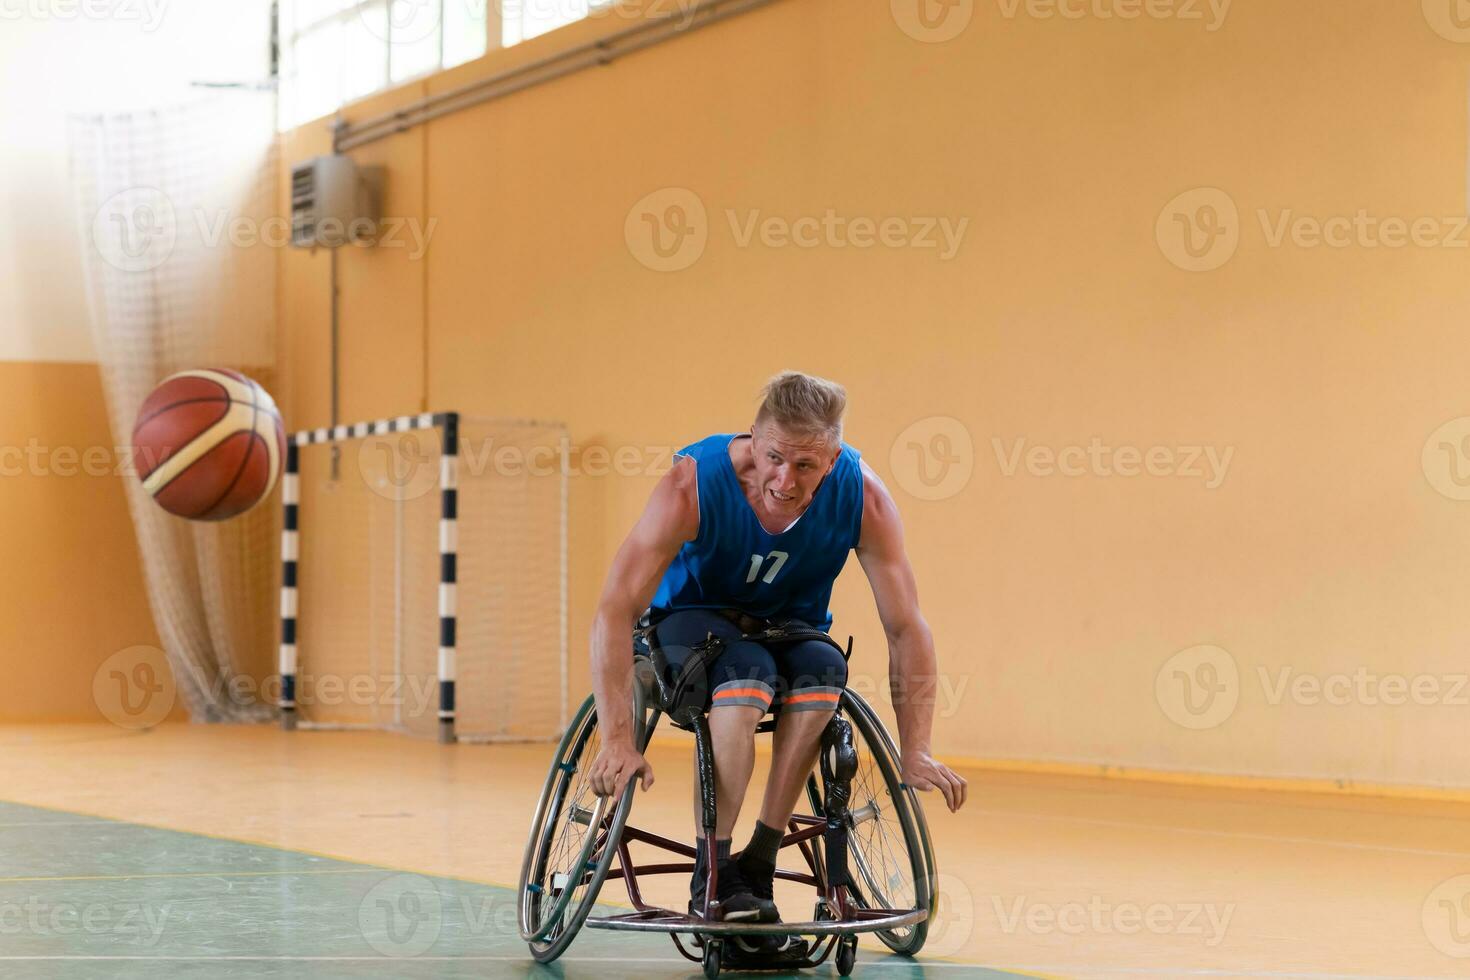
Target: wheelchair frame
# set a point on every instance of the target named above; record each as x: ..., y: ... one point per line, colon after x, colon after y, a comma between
x: 842, y: 909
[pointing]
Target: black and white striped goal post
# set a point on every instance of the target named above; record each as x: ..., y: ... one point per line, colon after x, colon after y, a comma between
x: 448, y: 424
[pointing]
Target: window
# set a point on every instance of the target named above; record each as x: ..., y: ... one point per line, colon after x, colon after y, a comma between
x: 335, y: 51
x: 522, y: 20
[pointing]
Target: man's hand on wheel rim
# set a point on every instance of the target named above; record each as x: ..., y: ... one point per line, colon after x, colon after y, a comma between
x: 924, y: 773
x: 614, y: 766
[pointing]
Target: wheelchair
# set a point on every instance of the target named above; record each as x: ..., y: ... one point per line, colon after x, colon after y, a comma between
x: 864, y: 844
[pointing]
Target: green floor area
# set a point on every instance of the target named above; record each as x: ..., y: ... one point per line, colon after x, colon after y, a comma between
x: 89, y: 898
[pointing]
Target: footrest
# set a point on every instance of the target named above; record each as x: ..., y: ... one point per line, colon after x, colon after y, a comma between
x: 746, y: 953
x: 664, y: 920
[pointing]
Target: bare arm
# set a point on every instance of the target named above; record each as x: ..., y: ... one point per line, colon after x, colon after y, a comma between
x: 912, y: 666
x: 670, y: 518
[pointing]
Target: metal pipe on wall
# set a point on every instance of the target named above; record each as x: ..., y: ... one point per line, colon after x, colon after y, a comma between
x: 604, y: 51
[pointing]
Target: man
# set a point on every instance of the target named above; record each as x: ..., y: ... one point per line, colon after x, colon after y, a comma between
x: 748, y: 529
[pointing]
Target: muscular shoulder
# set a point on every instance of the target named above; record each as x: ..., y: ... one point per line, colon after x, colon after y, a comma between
x: 684, y: 475
x: 678, y: 495
x: 880, y: 513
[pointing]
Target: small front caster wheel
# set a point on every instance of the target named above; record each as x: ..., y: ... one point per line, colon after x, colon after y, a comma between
x: 712, y: 959
x: 846, y: 955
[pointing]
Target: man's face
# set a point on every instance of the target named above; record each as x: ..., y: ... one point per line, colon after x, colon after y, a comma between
x: 789, y: 467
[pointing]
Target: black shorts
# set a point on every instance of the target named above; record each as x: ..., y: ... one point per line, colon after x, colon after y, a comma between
x: 804, y: 676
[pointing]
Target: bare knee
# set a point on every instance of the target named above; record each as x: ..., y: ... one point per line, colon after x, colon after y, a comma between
x: 727, y: 723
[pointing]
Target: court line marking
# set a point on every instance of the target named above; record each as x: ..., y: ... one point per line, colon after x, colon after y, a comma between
x: 1242, y: 835
x: 28, y: 740
x: 884, y: 963
x: 1274, y: 974
x: 948, y: 959
x: 264, y: 845
x: 1415, y: 809
x: 194, y: 874
x: 1319, y: 786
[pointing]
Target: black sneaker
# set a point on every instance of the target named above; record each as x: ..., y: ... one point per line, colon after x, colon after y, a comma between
x: 736, y: 902
x: 761, y: 881
x: 768, y: 951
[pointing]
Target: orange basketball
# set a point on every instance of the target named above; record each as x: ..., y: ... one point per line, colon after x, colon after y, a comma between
x: 208, y: 444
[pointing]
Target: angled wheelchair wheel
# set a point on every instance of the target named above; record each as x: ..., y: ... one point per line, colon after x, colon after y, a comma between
x: 890, y: 859
x: 574, y: 833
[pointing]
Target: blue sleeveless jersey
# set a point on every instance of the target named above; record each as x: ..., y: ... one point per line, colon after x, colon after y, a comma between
x: 734, y: 563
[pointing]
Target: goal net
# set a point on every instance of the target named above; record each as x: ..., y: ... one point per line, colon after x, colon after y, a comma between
x: 425, y: 578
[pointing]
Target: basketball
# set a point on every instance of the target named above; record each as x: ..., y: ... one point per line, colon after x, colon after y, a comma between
x: 208, y: 444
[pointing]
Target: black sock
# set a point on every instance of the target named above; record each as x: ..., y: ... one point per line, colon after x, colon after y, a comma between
x: 701, y: 864
x: 759, y: 856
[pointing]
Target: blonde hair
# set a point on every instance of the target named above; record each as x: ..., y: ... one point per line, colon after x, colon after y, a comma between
x: 804, y: 405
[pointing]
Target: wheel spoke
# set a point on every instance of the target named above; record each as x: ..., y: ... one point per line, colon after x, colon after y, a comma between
x: 575, y: 836
x: 559, y: 871
x: 886, y: 848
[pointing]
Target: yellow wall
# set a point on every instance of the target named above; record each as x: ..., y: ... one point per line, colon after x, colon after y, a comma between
x: 72, y: 579
x: 1055, y: 600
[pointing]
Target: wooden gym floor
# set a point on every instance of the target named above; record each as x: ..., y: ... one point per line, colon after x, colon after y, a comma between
x: 211, y: 851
